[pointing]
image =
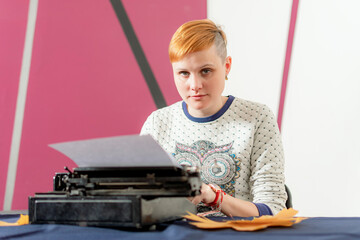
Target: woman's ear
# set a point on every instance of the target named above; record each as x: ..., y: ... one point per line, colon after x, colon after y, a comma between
x: 228, y: 62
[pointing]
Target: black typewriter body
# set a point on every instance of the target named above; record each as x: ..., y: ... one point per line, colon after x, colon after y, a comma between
x: 117, y: 197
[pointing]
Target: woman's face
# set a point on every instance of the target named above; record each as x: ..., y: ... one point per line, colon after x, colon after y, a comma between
x: 200, y: 81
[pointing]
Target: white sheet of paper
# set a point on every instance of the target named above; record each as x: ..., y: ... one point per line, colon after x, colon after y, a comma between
x: 120, y: 151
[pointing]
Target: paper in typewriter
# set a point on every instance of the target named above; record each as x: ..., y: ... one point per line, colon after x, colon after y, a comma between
x: 121, y: 151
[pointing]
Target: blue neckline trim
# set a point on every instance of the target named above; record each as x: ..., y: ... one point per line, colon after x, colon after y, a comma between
x: 212, y: 117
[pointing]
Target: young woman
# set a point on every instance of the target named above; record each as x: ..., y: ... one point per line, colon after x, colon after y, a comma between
x: 235, y: 143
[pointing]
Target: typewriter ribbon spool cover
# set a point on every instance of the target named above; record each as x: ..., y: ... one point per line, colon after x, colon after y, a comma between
x: 125, y: 181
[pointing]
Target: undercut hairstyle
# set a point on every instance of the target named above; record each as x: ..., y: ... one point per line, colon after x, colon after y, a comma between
x: 196, y: 36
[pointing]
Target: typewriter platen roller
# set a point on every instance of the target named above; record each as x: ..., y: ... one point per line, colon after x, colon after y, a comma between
x: 117, y: 196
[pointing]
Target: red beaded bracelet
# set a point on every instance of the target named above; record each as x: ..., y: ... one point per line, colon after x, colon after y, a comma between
x: 216, y: 205
x: 217, y: 195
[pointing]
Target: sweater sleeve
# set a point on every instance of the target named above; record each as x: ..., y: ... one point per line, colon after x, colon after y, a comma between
x: 267, y: 181
x: 263, y: 209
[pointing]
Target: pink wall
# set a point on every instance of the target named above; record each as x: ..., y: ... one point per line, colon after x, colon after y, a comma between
x: 85, y: 82
x: 12, y: 35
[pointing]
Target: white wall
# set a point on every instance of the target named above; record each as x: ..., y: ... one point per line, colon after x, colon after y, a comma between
x: 322, y: 114
x: 322, y: 110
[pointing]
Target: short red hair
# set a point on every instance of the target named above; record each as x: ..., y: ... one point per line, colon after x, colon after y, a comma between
x: 195, y: 36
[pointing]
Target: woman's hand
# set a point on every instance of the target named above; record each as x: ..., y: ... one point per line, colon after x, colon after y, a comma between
x: 230, y: 206
x: 207, y: 195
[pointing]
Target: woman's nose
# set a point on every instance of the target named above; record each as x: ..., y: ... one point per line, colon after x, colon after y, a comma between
x: 195, y: 83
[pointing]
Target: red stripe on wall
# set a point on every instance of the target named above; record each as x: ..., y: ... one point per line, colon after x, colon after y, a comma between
x: 293, y: 18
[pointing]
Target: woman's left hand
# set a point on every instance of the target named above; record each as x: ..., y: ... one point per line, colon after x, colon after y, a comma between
x: 207, y: 195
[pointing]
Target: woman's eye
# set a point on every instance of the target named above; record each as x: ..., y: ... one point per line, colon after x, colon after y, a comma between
x: 184, y: 74
x: 206, y: 71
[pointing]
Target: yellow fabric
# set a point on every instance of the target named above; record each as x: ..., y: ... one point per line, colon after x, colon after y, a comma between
x: 284, y: 218
x: 23, y: 219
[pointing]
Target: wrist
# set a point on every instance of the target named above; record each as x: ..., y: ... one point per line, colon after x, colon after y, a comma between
x: 216, y: 199
x: 219, y: 196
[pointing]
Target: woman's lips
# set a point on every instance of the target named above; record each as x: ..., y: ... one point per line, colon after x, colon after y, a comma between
x: 198, y: 97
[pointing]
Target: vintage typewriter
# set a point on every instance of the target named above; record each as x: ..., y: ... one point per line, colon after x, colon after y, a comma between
x: 125, y: 181
x: 117, y: 197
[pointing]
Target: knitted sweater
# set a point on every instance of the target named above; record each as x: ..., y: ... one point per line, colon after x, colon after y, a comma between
x: 239, y: 148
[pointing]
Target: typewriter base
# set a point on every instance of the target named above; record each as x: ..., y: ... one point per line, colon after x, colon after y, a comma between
x: 106, y: 211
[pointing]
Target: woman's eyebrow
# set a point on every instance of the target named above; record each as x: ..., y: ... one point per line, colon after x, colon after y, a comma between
x: 207, y: 65
x: 180, y: 69
x: 201, y: 67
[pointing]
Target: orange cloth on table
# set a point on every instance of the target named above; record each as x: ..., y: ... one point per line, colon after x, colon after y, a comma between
x: 23, y: 219
x: 284, y: 218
